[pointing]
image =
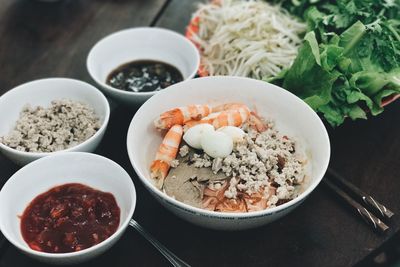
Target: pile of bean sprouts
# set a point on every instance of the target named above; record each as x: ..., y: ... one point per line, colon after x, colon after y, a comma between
x: 247, y: 38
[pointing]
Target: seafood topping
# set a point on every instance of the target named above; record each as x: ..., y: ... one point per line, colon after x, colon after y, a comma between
x: 232, y: 160
x: 69, y: 218
x: 181, y: 116
x: 166, y: 154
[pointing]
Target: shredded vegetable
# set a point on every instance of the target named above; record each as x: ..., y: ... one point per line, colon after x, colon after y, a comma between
x: 247, y: 38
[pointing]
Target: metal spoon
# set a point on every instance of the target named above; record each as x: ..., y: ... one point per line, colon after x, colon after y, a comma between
x: 170, y: 256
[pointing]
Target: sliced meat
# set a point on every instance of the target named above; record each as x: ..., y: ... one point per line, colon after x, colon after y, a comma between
x: 186, y: 183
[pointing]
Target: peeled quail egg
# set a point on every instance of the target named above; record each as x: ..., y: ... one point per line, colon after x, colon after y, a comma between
x: 217, y: 144
x: 235, y: 133
x: 193, y: 136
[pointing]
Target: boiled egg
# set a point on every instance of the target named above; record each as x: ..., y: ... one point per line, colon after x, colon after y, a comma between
x: 235, y: 133
x: 216, y: 144
x: 193, y: 135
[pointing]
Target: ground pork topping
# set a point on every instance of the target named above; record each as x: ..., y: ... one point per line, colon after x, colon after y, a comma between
x: 64, y: 124
x: 183, y: 151
x: 201, y: 160
x: 174, y: 163
x: 260, y: 161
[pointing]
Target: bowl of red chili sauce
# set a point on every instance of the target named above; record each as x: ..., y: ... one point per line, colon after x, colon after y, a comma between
x: 67, y: 208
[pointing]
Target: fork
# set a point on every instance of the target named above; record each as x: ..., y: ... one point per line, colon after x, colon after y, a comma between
x: 170, y: 256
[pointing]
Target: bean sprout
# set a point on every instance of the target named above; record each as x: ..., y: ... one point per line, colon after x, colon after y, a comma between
x: 247, y: 38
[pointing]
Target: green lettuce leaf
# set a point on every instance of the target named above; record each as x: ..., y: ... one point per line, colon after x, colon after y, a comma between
x: 307, y: 77
x: 350, y: 59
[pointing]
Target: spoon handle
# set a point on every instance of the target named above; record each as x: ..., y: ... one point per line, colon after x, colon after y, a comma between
x: 170, y: 256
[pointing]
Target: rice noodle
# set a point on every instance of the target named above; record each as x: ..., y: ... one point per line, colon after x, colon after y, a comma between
x: 246, y: 38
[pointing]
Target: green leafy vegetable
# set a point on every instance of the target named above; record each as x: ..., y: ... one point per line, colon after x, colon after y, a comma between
x: 307, y: 78
x: 350, y: 58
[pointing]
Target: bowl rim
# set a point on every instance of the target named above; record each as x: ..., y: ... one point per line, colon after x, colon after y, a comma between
x: 133, y: 30
x: 87, y: 86
x: 231, y: 215
x: 119, y: 231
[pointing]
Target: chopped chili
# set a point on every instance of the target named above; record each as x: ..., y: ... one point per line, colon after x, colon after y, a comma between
x: 69, y: 218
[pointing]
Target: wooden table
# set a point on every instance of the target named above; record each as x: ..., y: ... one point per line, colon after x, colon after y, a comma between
x: 53, y: 39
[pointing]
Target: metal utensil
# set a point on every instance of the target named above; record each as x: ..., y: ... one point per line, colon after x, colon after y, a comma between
x: 377, y: 207
x: 170, y: 256
x: 368, y: 217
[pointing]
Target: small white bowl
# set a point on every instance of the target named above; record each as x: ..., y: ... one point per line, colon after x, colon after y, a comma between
x: 143, y: 43
x: 41, y: 93
x: 291, y: 115
x: 75, y: 167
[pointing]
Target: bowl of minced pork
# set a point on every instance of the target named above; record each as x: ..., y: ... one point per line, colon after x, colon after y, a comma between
x: 51, y: 115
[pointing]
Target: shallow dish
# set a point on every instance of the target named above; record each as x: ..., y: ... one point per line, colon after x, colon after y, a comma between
x: 291, y: 115
x: 41, y: 93
x: 75, y: 167
x: 143, y: 43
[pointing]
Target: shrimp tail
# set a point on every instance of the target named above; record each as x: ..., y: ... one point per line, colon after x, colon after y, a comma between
x: 256, y: 123
x: 159, y: 170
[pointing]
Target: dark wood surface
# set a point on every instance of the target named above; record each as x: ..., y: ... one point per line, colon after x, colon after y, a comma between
x: 46, y: 40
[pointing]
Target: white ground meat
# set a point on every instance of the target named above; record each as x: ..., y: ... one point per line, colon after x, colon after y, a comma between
x: 183, y: 151
x: 64, y: 124
x: 261, y: 160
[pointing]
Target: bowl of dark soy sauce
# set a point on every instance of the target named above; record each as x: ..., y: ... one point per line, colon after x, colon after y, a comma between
x: 133, y: 64
x: 144, y: 76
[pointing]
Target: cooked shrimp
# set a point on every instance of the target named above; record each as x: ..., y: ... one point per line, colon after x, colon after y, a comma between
x: 256, y: 122
x: 208, y: 119
x: 181, y: 115
x: 227, y: 106
x: 166, y: 153
x: 236, y: 115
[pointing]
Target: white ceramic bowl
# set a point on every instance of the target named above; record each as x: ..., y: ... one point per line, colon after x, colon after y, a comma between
x: 292, y: 117
x: 75, y: 167
x: 42, y: 92
x: 143, y: 43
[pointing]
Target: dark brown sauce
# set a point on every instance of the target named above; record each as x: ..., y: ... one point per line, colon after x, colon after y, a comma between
x: 144, y: 76
x: 69, y: 218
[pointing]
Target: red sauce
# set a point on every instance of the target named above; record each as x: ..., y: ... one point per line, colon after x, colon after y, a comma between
x: 69, y: 218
